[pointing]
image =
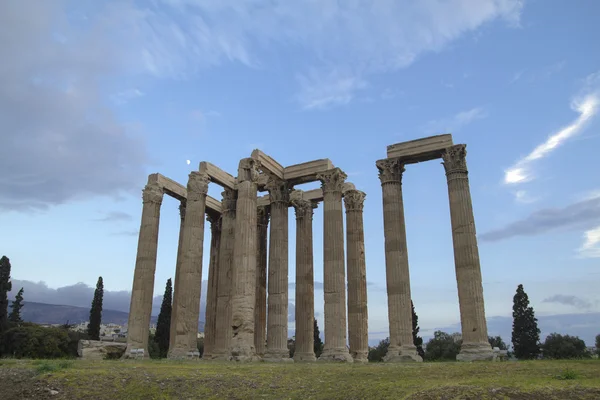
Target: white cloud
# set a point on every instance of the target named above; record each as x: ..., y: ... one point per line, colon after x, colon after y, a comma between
x: 125, y: 96
x: 524, y: 197
x: 457, y: 122
x: 591, y: 244
x: 321, y: 92
x: 587, y: 104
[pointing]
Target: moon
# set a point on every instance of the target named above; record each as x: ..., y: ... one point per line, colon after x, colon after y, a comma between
x: 187, y: 162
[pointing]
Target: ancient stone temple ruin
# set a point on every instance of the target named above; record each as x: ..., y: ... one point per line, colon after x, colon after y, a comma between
x: 246, y: 320
x: 246, y: 314
x: 475, y: 345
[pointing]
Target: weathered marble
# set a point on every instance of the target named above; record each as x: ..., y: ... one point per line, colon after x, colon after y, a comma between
x: 260, y: 308
x: 358, y: 328
x: 334, y: 280
x: 212, y: 288
x: 140, y: 308
x: 475, y: 344
x: 305, y: 293
x: 100, y: 350
x: 396, y: 264
x: 177, y: 269
x: 188, y: 293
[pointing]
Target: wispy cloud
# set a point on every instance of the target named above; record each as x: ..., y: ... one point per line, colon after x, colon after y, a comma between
x: 583, y: 214
x: 126, y: 96
x: 334, y: 89
x: 569, y: 300
x: 125, y: 233
x: 591, y: 244
x: 457, y: 122
x: 586, y: 103
x: 539, y: 74
x: 524, y: 197
x: 115, y: 216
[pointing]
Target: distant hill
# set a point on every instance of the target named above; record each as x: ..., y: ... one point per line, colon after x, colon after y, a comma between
x: 42, y: 313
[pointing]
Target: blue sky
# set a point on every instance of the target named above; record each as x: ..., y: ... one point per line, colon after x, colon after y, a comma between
x: 94, y: 96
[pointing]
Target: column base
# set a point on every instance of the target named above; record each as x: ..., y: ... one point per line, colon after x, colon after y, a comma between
x: 402, y: 354
x: 135, y: 351
x: 304, y: 357
x: 243, y: 355
x: 279, y: 355
x: 475, y: 352
x: 336, y: 355
x: 360, y: 356
x: 183, y: 354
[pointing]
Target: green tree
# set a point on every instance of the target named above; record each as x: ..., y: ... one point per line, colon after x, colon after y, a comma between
x: 318, y: 344
x: 96, y: 312
x: 525, y: 333
x: 15, y: 314
x: 376, y: 354
x: 496, y: 341
x: 5, y: 287
x: 291, y: 345
x: 560, y: 347
x: 442, y: 347
x: 598, y: 345
x: 417, y: 340
x: 163, y: 325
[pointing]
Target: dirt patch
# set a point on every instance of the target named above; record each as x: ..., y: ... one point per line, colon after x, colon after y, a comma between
x: 24, y: 384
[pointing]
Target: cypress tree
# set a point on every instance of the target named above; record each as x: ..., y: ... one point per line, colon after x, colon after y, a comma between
x: 15, y: 314
x: 525, y: 333
x: 163, y: 325
x: 96, y: 312
x: 417, y: 340
x: 5, y: 287
x: 318, y: 345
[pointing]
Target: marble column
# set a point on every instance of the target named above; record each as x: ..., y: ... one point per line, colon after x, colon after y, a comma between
x: 475, y: 345
x: 260, y: 308
x: 334, y: 280
x: 244, y: 264
x: 358, y: 328
x: 213, y: 283
x: 305, y: 290
x: 401, y: 347
x: 223, y: 316
x: 190, y: 281
x: 177, y: 269
x: 145, y: 265
x: 277, y: 301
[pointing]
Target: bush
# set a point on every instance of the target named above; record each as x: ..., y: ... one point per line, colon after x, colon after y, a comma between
x: 559, y: 347
x: 442, y: 347
x: 34, y: 341
x: 376, y: 354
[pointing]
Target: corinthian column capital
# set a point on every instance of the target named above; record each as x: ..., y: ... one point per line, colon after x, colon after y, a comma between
x: 303, y: 208
x: 279, y: 190
x: 354, y: 200
x: 197, y: 185
x: 229, y: 201
x: 248, y: 170
x: 262, y: 215
x: 332, y: 180
x: 390, y: 170
x: 215, y: 222
x: 182, y: 206
x: 455, y: 158
x: 152, y: 193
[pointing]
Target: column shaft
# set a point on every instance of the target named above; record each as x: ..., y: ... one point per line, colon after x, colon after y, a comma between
x: 334, y: 280
x: 140, y: 307
x: 211, y: 291
x: 244, y: 264
x: 305, y: 294
x: 188, y: 293
x: 401, y: 346
x: 475, y: 344
x: 177, y: 270
x: 277, y: 315
x: 358, y: 329
x: 223, y: 316
x: 260, y: 310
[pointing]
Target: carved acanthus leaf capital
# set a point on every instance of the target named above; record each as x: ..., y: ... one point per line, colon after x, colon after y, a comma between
x: 197, y: 186
x: 229, y: 201
x: 455, y: 158
x: 152, y: 193
x: 304, y: 208
x: 354, y: 200
x: 248, y: 170
x: 390, y: 170
x: 215, y: 222
x: 182, y: 207
x: 263, y: 214
x: 279, y: 190
x: 332, y: 180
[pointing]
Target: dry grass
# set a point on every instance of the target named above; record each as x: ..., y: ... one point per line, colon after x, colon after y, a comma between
x: 213, y: 380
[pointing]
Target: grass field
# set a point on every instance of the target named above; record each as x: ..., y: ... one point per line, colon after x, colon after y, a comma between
x: 78, y: 379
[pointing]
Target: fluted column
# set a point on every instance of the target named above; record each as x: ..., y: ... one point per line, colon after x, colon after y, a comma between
x: 177, y: 269
x: 223, y: 316
x: 260, y: 308
x: 475, y: 345
x: 244, y: 264
x: 140, y: 307
x: 334, y: 280
x: 358, y: 328
x: 277, y: 301
x: 397, y: 274
x: 305, y: 292
x: 213, y: 282
x: 188, y: 293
